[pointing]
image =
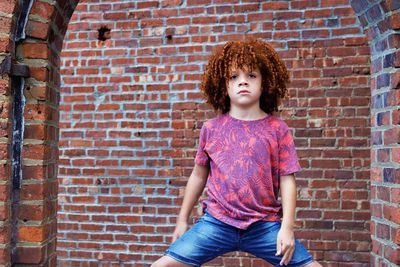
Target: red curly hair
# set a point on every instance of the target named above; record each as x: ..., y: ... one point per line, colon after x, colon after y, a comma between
x: 251, y: 53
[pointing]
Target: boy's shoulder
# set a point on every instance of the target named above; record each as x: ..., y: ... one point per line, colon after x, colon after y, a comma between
x: 278, y: 123
x: 215, y: 121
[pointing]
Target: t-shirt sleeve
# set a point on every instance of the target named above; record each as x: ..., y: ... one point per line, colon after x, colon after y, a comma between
x: 288, y: 160
x: 202, y: 157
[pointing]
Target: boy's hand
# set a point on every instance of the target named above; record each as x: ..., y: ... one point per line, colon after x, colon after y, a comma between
x: 180, y: 228
x: 285, y: 245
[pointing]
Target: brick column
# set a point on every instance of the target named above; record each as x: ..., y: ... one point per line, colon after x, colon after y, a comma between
x: 6, y: 49
x: 381, y: 21
x: 35, y: 207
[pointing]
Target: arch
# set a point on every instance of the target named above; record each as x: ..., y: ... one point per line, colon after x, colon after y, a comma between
x: 381, y: 22
x: 29, y: 228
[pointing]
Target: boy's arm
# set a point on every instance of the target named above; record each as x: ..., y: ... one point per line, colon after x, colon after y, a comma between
x: 289, y: 197
x: 285, y: 242
x: 194, y: 188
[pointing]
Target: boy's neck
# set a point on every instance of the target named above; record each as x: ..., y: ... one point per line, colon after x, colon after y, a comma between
x: 247, y: 114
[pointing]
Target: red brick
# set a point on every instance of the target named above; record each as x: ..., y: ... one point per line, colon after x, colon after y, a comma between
x: 5, y: 45
x: 245, y: 8
x: 32, y: 212
x: 392, y: 136
x: 171, y: 3
x: 8, y: 6
x: 5, y: 110
x: 147, y: 4
x: 395, y: 195
x: 4, y: 84
x: 35, y: 50
x: 394, y: 40
x: 34, y: 191
x: 334, y: 3
x: 392, y: 254
x: 42, y: 9
x: 37, y: 30
x: 3, y: 151
x: 5, y: 234
x: 5, y: 24
x: 4, y: 192
x: 392, y: 213
x: 32, y: 233
x: 40, y: 74
x: 395, y: 80
x: 86, y: 142
x: 30, y: 255
x: 4, y: 212
x: 37, y: 152
x: 395, y: 21
x: 396, y: 235
x: 376, y: 247
x: 317, y: 13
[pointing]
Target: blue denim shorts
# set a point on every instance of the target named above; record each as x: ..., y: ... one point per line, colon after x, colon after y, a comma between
x: 209, y: 238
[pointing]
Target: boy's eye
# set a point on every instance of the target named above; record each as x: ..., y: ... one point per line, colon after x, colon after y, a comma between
x: 252, y: 75
x: 233, y: 77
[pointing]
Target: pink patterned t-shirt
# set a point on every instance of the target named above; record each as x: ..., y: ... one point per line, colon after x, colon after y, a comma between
x: 246, y: 159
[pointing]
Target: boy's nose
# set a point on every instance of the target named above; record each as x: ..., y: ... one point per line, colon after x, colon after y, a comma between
x: 243, y: 82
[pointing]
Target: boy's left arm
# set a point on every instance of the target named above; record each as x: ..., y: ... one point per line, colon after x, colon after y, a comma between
x: 285, y: 240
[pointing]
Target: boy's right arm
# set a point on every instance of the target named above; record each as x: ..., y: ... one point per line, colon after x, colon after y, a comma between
x: 194, y: 188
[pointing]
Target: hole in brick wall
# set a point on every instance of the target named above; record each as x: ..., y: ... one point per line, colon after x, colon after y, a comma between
x: 104, y: 33
x: 28, y: 88
x: 169, y: 37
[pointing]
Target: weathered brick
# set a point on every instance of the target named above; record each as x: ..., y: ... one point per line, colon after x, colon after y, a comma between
x: 392, y: 136
x: 395, y: 21
x: 390, y: 5
x: 5, y: 45
x: 42, y: 9
x: 396, y: 236
x: 96, y: 116
x: 5, y: 24
x: 37, y: 29
x: 7, y: 6
x: 392, y: 254
x: 30, y: 255
x: 35, y: 50
x: 392, y: 213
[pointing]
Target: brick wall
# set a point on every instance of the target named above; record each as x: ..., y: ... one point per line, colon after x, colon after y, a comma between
x: 382, y: 23
x: 6, y: 48
x: 131, y: 112
x: 28, y: 230
x: 326, y: 112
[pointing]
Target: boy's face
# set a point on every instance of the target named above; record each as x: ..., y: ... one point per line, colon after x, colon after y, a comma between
x: 244, y: 87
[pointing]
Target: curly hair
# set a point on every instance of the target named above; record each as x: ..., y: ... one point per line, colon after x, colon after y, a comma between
x: 250, y: 53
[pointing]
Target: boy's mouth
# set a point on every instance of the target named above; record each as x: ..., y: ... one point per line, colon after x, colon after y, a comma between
x: 243, y: 92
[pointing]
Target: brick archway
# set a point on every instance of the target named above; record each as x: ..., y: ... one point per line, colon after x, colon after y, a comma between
x: 381, y: 22
x: 33, y: 241
x: 36, y: 234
